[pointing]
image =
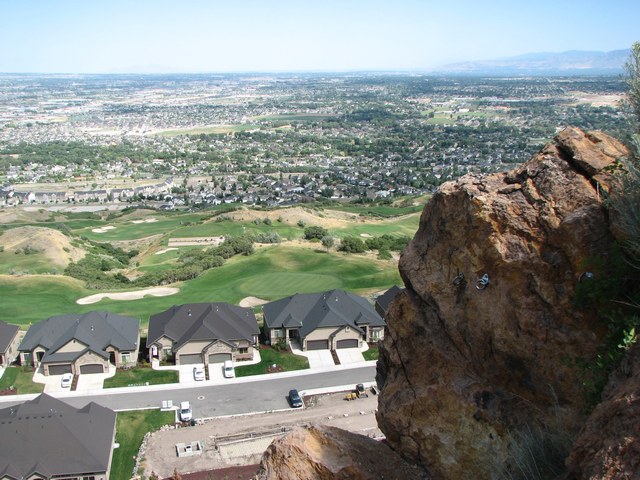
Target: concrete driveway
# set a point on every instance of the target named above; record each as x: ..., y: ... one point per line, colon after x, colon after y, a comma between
x: 215, y: 371
x: 349, y: 355
x: 319, y: 358
x: 85, y: 381
x: 185, y: 373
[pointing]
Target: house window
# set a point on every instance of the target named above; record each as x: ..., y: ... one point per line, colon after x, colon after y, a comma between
x: 347, y: 328
x: 279, y: 333
x: 167, y: 351
x: 243, y: 350
x: 126, y: 357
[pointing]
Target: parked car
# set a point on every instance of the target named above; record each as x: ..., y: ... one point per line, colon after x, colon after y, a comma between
x: 185, y: 412
x: 66, y: 381
x: 294, y: 399
x: 198, y: 373
x: 228, y: 370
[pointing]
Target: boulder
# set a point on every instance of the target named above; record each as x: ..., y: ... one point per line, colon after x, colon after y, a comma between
x: 481, y: 347
x: 323, y: 452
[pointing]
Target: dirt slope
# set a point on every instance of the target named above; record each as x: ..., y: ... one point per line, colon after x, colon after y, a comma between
x: 54, y: 245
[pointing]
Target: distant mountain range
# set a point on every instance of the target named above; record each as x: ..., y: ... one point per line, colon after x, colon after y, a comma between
x: 572, y: 62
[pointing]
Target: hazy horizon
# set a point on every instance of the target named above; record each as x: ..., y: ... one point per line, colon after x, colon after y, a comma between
x: 280, y: 36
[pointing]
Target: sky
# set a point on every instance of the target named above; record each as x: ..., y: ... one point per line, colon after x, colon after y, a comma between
x: 193, y: 36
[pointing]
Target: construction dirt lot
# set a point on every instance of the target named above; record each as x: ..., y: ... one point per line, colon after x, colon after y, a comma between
x: 241, y: 440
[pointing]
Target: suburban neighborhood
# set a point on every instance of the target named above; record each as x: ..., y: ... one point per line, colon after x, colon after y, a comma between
x: 92, y: 347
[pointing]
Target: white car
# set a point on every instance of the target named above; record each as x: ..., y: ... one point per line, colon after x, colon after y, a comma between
x: 198, y: 373
x: 66, y: 381
x: 228, y: 370
x: 185, y: 412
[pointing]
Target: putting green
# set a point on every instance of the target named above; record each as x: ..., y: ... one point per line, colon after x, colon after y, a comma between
x: 273, y: 284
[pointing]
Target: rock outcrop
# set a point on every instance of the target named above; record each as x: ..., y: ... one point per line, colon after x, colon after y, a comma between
x: 479, y: 368
x: 482, y: 346
x: 322, y: 452
x: 608, y: 446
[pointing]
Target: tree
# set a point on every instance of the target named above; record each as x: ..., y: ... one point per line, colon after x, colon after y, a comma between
x: 327, y: 242
x: 625, y: 192
x: 633, y: 81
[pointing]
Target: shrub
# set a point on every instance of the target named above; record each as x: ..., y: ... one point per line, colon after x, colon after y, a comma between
x: 352, y: 245
x: 315, y: 232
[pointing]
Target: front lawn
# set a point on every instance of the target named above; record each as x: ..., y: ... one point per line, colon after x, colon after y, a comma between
x: 371, y: 354
x: 130, y: 430
x: 284, y: 361
x: 139, y: 376
x: 21, y: 381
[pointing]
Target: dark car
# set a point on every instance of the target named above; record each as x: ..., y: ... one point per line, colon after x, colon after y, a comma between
x: 294, y: 399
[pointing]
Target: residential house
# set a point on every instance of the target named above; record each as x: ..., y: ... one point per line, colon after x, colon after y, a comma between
x: 82, y: 343
x: 203, y: 333
x: 9, y: 340
x: 329, y: 320
x: 383, y: 301
x: 46, y: 438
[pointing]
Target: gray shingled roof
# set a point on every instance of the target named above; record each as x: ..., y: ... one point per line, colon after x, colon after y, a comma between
x: 335, y: 308
x: 97, y: 330
x: 7, y: 334
x: 203, y: 321
x: 387, y: 297
x: 50, y: 437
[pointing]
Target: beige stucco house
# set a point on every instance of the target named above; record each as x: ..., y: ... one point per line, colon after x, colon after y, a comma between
x: 329, y: 320
x: 82, y: 343
x: 203, y: 333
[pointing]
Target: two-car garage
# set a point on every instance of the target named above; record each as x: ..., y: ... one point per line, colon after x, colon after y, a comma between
x: 92, y: 368
x: 59, y: 369
x: 88, y: 368
x: 324, y: 344
x: 317, y: 344
x: 347, y: 343
x: 190, y: 359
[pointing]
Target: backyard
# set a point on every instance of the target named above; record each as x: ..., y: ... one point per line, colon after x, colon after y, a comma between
x: 131, y: 428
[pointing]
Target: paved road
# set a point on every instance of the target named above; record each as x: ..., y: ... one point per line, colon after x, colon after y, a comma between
x: 254, y: 394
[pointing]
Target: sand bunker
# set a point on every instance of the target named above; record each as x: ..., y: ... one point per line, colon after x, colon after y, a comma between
x: 103, y: 229
x: 137, y: 295
x: 252, y: 302
x: 146, y: 220
x: 160, y: 252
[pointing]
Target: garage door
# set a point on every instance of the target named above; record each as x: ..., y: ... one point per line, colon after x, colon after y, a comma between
x: 318, y: 345
x: 59, y: 369
x: 190, y: 359
x: 347, y: 343
x: 219, y: 357
x: 92, y: 368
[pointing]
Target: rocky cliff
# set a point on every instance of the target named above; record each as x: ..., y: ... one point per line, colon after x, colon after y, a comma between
x: 480, y: 355
x: 478, y: 367
x: 608, y: 446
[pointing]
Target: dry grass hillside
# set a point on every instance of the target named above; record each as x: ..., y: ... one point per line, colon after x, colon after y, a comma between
x: 17, y: 215
x: 291, y: 216
x: 51, y: 243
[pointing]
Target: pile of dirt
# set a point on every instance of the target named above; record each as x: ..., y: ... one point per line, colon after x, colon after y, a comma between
x: 54, y: 245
